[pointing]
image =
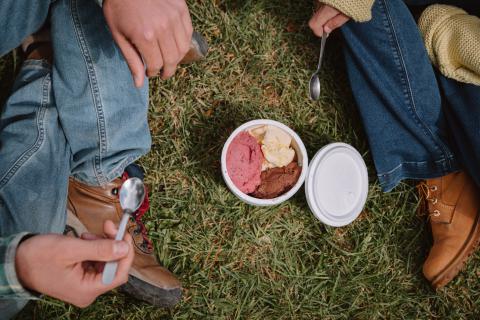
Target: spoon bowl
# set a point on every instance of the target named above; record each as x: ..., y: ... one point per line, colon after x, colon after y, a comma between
x: 315, y: 87
x: 132, y: 194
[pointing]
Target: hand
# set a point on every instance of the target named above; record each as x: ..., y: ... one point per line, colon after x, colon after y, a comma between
x: 70, y: 269
x: 152, y: 34
x: 326, y: 19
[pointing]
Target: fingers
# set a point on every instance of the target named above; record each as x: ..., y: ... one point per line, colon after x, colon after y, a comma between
x: 99, y: 250
x: 110, y: 229
x: 186, y: 22
x: 89, y: 236
x: 123, y: 268
x: 132, y: 57
x: 170, y: 55
x: 320, y: 18
x: 175, y: 45
x: 335, y: 22
x: 182, y: 40
x: 151, y: 54
x: 124, y: 264
x: 152, y: 37
x: 182, y: 30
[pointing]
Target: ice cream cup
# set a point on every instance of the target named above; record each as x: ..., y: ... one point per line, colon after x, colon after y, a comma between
x: 297, y: 145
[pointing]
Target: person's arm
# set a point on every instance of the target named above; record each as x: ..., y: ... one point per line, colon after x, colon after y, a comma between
x: 332, y: 14
x: 10, y: 287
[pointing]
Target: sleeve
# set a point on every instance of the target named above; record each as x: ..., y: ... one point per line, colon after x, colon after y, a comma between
x: 452, y: 39
x: 358, y: 10
x: 10, y: 287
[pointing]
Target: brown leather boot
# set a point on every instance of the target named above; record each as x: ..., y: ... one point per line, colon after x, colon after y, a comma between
x: 89, y: 207
x: 453, y: 209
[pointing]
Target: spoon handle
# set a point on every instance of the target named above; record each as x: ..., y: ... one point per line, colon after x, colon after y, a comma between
x: 111, y: 266
x: 322, y: 48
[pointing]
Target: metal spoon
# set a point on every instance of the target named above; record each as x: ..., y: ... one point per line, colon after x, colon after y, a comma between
x: 132, y: 194
x: 315, y: 79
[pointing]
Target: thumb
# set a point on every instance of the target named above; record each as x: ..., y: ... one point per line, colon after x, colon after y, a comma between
x: 99, y: 250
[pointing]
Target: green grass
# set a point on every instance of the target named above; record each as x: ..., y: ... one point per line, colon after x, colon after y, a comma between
x: 242, y: 262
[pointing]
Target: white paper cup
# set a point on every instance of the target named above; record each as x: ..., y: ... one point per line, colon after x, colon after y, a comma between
x: 300, y: 150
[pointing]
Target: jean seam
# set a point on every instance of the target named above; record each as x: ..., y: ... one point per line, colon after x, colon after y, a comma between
x: 40, y: 116
x: 407, y: 88
x: 416, y: 163
x: 97, y: 101
x: 404, y: 171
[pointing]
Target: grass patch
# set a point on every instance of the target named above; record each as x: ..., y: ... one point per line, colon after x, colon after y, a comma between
x: 242, y: 262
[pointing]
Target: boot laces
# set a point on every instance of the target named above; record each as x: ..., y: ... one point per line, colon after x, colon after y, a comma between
x: 137, y: 215
x: 427, y: 194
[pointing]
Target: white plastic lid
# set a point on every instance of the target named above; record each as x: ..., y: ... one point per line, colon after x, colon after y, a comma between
x: 337, y: 184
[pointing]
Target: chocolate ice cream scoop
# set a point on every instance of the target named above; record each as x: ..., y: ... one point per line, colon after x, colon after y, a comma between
x: 277, y: 181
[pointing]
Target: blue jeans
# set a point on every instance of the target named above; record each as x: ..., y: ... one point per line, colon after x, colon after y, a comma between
x: 419, y: 124
x: 81, y: 117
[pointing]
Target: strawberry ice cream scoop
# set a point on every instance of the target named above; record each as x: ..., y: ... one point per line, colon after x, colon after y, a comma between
x: 244, y: 162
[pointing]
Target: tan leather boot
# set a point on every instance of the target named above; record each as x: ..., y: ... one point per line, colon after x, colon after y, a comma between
x: 453, y: 208
x: 88, y: 208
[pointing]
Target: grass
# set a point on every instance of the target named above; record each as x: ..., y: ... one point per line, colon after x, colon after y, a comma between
x: 242, y: 262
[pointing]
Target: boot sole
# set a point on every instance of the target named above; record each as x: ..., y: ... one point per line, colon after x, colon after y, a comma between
x: 457, y: 264
x: 135, y: 286
x: 144, y: 291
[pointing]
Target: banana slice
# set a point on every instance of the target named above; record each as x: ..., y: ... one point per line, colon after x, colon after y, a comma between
x: 278, y: 156
x: 275, y: 146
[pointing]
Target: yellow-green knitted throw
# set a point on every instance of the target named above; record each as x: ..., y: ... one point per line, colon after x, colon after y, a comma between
x: 452, y: 39
x: 358, y: 10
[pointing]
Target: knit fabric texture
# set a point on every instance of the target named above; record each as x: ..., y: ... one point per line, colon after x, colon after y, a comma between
x: 452, y: 39
x: 358, y: 10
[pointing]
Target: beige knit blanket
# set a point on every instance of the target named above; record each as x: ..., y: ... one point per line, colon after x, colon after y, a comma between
x: 452, y: 39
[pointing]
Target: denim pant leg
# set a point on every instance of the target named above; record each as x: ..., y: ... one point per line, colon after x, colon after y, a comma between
x: 397, y: 94
x: 35, y: 162
x: 462, y: 108
x: 34, y: 156
x: 103, y: 115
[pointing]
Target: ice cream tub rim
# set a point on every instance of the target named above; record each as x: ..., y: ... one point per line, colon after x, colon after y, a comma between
x: 299, y: 149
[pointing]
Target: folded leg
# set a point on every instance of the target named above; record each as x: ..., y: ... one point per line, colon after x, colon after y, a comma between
x: 103, y: 115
